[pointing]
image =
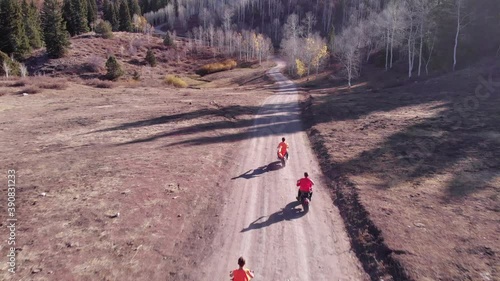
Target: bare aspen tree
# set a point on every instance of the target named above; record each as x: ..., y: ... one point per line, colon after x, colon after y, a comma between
x: 309, y: 21
x: 6, y: 69
x: 392, y: 21
x: 409, y: 12
x: 211, y: 34
x: 23, y: 69
x: 461, y: 22
x: 292, y: 32
x: 423, y: 9
x: 227, y: 14
x: 170, y: 15
x: 204, y: 17
x: 348, y: 54
x: 182, y: 17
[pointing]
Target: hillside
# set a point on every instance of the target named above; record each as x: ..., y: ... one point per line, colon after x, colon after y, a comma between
x: 108, y: 185
x: 414, y: 168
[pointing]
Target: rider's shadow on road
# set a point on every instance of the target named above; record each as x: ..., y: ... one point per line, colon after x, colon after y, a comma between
x: 290, y: 212
x: 260, y: 170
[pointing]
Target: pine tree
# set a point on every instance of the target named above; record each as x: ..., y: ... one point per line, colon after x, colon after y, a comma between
x: 134, y: 7
x: 13, y: 39
x: 115, y: 14
x: 150, y: 58
x: 68, y: 14
x: 167, y: 40
x: 111, y: 15
x: 91, y: 11
x: 114, y: 70
x: 82, y: 14
x: 33, y: 25
x: 104, y: 29
x: 75, y: 13
x: 125, y: 20
x: 55, y: 35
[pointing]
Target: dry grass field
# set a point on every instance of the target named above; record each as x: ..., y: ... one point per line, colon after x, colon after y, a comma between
x: 422, y: 160
x: 119, y: 180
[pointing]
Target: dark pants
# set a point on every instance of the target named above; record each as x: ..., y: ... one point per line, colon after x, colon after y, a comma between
x: 299, y: 193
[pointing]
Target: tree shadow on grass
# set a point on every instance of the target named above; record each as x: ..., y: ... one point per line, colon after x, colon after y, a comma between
x: 289, y: 212
x: 461, y: 135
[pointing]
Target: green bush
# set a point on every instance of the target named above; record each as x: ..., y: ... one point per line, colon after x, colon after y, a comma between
x: 114, y: 70
x: 104, y: 29
x: 216, y: 67
x: 150, y: 58
x: 13, y: 65
x: 136, y: 76
x: 175, y: 81
x: 168, y: 41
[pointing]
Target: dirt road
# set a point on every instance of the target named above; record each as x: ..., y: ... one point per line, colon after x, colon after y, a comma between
x: 262, y: 220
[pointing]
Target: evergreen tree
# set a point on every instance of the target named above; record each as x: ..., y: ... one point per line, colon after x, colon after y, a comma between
x: 111, y: 14
x: 33, y: 25
x: 134, y: 7
x: 114, y: 70
x: 167, y: 40
x: 13, y: 39
x: 150, y: 58
x: 55, y: 35
x: 91, y: 11
x: 115, y: 16
x: 106, y: 11
x: 75, y: 14
x: 104, y: 29
x: 125, y: 20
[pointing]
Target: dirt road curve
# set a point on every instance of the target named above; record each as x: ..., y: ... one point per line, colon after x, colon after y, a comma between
x: 262, y: 221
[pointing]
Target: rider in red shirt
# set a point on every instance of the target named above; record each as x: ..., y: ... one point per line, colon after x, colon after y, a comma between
x: 305, y: 185
x: 242, y: 273
x: 283, y: 149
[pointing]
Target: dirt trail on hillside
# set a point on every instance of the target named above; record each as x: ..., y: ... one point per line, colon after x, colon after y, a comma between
x: 261, y: 219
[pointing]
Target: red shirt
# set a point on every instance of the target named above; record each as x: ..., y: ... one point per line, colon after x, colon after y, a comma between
x: 241, y: 275
x: 305, y: 184
x: 282, y: 148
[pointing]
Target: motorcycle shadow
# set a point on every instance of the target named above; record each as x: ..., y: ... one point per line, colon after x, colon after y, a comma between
x: 273, y: 166
x: 289, y: 212
x: 276, y: 165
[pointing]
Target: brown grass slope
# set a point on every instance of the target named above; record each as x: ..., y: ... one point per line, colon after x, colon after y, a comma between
x: 152, y: 154
x: 415, y: 170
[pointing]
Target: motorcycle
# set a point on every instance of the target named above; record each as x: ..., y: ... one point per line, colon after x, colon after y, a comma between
x: 283, y: 158
x: 305, y: 200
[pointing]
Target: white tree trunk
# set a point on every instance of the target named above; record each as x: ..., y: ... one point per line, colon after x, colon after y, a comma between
x: 459, y: 2
x: 392, y: 46
x: 430, y: 56
x: 387, y: 51
x: 421, y: 47
x: 410, y: 53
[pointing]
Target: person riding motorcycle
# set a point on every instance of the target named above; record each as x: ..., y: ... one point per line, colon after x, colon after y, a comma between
x: 305, y: 184
x: 242, y: 273
x: 283, y: 149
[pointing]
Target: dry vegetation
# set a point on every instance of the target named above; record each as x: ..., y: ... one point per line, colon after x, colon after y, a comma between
x: 424, y: 159
x: 88, y: 53
x: 217, y: 67
x: 175, y: 81
x: 83, y: 155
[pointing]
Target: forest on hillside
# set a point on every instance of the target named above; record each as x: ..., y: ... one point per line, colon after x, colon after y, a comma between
x: 425, y: 35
